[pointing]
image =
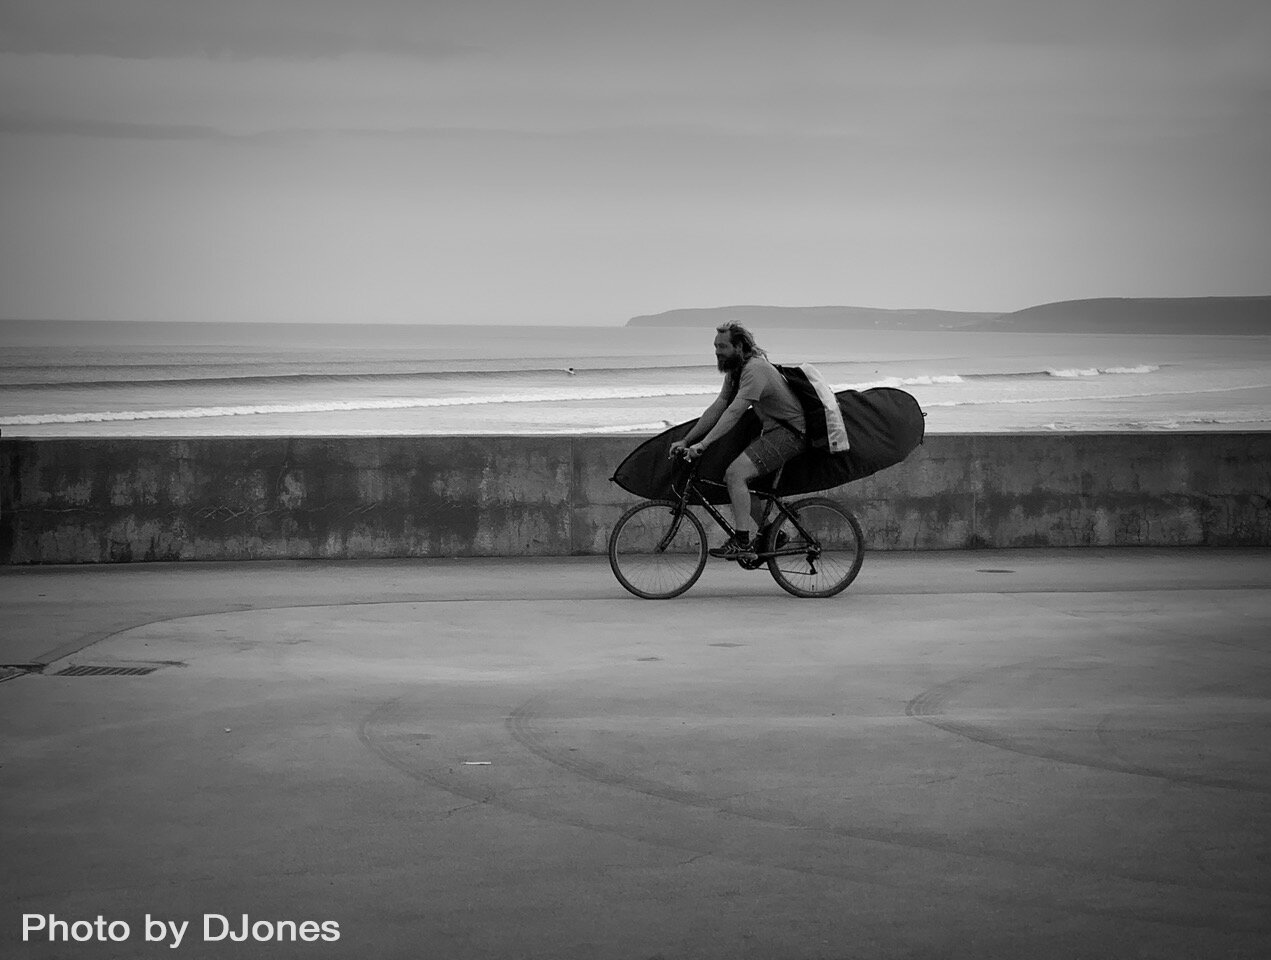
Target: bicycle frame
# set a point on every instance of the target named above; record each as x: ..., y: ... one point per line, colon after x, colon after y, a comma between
x: 691, y: 496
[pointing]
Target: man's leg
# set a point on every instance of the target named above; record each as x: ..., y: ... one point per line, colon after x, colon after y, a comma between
x: 756, y: 510
x: 736, y: 478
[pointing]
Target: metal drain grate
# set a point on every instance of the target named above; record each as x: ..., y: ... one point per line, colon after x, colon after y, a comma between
x: 82, y: 671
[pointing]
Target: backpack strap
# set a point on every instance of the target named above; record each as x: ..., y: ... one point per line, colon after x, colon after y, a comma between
x: 792, y: 428
x: 786, y: 423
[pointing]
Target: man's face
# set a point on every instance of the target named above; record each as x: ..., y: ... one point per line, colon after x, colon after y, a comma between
x: 727, y: 357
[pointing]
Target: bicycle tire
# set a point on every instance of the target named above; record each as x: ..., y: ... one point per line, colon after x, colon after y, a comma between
x: 644, y: 562
x: 825, y: 566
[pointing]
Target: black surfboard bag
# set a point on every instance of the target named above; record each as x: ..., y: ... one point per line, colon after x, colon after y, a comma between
x: 884, y: 425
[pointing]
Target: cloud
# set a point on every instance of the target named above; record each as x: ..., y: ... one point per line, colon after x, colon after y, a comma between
x: 699, y: 97
x: 1125, y: 23
x: 55, y: 126
x: 428, y: 29
x: 227, y: 29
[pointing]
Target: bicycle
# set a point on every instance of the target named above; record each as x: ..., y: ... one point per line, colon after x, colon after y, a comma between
x: 658, y: 548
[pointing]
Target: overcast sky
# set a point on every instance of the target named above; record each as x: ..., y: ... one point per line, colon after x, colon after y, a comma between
x: 584, y: 161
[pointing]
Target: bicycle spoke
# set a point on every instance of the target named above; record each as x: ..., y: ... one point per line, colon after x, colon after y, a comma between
x: 823, y: 552
x: 657, y: 552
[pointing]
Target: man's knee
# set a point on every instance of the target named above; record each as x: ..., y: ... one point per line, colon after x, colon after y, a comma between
x: 741, y: 470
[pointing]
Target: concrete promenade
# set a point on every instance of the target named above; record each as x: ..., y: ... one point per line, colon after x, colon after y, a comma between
x: 1042, y: 754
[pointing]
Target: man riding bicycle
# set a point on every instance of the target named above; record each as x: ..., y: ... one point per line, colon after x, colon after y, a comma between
x: 750, y: 382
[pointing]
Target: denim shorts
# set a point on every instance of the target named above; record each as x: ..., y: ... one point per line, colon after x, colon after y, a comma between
x: 774, y: 447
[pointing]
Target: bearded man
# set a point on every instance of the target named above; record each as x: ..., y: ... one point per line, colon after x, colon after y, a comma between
x: 750, y: 382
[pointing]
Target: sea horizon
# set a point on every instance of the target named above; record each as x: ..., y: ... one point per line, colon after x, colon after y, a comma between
x: 200, y: 378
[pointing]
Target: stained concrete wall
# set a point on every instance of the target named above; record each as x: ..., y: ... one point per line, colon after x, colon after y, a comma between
x: 109, y: 500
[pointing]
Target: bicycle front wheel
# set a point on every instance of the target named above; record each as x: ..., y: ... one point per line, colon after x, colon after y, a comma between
x: 822, y: 551
x: 656, y: 551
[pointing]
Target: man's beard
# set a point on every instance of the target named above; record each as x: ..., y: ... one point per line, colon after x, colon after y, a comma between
x: 730, y: 364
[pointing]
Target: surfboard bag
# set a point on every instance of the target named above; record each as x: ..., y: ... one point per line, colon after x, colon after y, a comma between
x: 884, y: 425
x: 822, y: 419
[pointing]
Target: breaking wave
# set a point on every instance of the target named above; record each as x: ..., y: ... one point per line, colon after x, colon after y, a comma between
x: 543, y: 395
x: 337, y: 406
x: 994, y: 401
x: 1072, y: 374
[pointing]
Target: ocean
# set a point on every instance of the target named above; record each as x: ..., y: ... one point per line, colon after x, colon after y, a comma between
x: 110, y: 379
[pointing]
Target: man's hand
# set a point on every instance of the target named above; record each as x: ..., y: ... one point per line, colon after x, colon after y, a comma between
x: 688, y: 451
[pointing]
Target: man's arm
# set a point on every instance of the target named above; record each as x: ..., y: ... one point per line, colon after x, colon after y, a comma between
x: 747, y: 394
x: 726, y: 421
x: 710, y: 416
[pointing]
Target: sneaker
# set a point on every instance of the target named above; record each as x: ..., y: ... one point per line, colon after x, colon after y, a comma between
x: 735, y: 549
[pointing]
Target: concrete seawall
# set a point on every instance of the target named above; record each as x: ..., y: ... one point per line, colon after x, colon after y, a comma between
x: 118, y: 500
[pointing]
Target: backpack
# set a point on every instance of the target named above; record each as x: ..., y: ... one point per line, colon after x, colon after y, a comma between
x: 821, y: 413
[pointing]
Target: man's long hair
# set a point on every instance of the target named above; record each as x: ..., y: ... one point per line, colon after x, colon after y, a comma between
x: 741, y: 338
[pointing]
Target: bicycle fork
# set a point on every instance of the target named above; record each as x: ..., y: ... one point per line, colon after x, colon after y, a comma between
x: 677, y: 517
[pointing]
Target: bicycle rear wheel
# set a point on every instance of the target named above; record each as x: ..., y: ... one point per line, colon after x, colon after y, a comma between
x: 657, y: 552
x: 823, y: 551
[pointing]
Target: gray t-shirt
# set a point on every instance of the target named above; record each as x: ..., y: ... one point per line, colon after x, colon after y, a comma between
x: 768, y: 394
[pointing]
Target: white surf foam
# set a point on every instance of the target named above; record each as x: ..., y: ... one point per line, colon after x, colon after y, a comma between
x: 1095, y: 398
x: 1079, y: 372
x: 1172, y: 423
x: 1141, y: 368
x: 334, y: 406
x: 901, y: 382
x: 637, y: 392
